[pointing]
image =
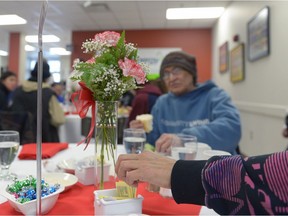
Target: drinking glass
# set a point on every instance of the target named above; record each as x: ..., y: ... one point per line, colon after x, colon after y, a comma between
x: 184, y: 147
x: 9, y: 145
x: 134, y: 140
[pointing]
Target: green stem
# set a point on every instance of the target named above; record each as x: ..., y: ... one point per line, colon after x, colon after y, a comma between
x: 106, y: 131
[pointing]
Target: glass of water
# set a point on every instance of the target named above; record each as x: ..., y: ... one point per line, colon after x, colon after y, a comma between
x: 9, y: 145
x: 134, y: 140
x: 184, y: 147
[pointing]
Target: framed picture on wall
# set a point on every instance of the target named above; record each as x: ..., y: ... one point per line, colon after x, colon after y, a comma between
x: 237, y: 66
x: 223, y: 57
x: 258, y: 30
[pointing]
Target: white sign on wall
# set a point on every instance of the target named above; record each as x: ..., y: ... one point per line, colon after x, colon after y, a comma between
x: 154, y: 56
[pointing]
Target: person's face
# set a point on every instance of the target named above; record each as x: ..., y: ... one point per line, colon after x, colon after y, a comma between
x: 177, y: 80
x: 10, y: 83
x: 58, y: 89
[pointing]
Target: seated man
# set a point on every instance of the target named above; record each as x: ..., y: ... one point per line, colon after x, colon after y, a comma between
x: 203, y: 110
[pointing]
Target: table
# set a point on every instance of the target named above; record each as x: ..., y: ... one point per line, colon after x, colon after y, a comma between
x: 82, y: 202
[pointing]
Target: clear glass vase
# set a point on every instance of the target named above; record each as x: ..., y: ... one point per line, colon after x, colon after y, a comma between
x: 105, y: 142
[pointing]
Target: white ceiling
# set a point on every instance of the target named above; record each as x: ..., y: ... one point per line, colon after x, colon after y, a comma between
x: 63, y: 17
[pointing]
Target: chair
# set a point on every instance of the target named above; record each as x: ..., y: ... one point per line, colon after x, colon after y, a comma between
x: 18, y: 121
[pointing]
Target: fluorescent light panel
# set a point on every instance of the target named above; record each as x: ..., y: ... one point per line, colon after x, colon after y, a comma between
x: 45, y: 38
x: 29, y: 48
x: 12, y: 19
x: 194, y: 13
x: 59, y: 51
x: 3, y: 53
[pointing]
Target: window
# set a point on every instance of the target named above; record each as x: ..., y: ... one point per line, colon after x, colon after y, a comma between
x: 55, y: 68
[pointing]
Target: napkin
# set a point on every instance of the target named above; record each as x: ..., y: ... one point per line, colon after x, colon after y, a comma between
x: 28, y: 151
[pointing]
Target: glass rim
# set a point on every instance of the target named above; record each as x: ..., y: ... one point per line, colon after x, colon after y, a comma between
x: 9, y: 132
x: 134, y: 129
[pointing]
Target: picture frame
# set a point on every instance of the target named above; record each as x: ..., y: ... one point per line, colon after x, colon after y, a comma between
x: 258, y: 30
x: 224, y: 57
x: 237, y: 63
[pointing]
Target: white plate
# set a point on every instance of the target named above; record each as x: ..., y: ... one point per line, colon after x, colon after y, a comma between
x: 68, y: 165
x: 65, y: 179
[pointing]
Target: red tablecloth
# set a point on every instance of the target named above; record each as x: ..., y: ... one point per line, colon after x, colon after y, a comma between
x: 79, y: 200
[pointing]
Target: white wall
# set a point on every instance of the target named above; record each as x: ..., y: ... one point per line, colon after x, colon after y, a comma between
x: 262, y: 97
x: 4, y: 45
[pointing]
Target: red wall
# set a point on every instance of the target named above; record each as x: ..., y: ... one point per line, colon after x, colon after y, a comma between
x: 197, y: 42
x: 14, y: 50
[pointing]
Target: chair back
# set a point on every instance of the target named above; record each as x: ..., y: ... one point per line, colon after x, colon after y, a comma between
x: 18, y: 121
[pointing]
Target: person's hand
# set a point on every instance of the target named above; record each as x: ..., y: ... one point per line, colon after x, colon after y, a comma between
x: 136, y: 124
x: 147, y: 166
x: 164, y: 143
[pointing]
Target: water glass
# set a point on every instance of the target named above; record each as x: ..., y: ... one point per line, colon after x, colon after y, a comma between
x: 184, y: 147
x: 9, y: 145
x: 134, y: 140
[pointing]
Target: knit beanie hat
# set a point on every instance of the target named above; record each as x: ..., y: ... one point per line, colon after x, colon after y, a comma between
x: 182, y: 60
x: 46, y: 71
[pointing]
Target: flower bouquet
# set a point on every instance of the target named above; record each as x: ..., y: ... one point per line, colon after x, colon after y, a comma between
x: 112, y: 70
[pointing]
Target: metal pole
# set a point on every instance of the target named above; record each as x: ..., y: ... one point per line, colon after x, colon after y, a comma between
x: 39, y: 107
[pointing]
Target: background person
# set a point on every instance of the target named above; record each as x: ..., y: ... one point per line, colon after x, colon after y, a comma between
x: 25, y: 99
x: 8, y: 83
x: 145, y: 97
x: 58, y: 89
x: 203, y: 110
x: 231, y: 185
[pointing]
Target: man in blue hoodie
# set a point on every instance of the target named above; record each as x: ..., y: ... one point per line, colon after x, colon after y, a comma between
x: 203, y: 110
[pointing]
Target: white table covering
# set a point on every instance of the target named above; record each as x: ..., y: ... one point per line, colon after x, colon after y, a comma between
x: 28, y: 167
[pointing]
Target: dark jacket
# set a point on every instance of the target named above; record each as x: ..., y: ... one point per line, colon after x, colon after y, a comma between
x: 25, y: 99
x: 144, y: 100
x: 4, y: 94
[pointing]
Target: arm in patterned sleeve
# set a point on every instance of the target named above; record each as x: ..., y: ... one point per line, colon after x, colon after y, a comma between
x: 234, y: 185
x: 254, y: 185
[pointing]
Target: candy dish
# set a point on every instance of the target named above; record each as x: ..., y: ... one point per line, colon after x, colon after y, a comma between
x: 29, y: 208
x: 65, y: 179
x: 68, y: 165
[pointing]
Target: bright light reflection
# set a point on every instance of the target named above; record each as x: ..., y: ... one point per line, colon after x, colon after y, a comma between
x: 45, y: 38
x: 12, y: 19
x: 59, y: 51
x: 3, y: 53
x: 29, y: 48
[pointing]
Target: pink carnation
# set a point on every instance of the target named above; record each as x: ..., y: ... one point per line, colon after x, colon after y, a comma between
x: 91, y: 61
x: 131, y: 68
x: 109, y: 37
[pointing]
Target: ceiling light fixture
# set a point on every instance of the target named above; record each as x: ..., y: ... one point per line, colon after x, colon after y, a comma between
x: 59, y: 51
x: 45, y: 38
x: 194, y: 13
x: 3, y: 53
x: 29, y: 48
x: 12, y: 19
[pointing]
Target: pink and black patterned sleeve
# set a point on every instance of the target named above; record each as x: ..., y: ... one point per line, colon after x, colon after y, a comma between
x: 254, y: 185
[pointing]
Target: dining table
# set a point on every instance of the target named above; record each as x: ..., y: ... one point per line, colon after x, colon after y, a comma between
x: 79, y: 199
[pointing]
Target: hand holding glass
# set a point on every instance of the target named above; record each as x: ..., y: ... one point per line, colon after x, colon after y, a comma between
x: 9, y: 145
x: 134, y: 140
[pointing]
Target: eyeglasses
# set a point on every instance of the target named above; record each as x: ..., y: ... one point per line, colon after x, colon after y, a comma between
x: 175, y: 72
